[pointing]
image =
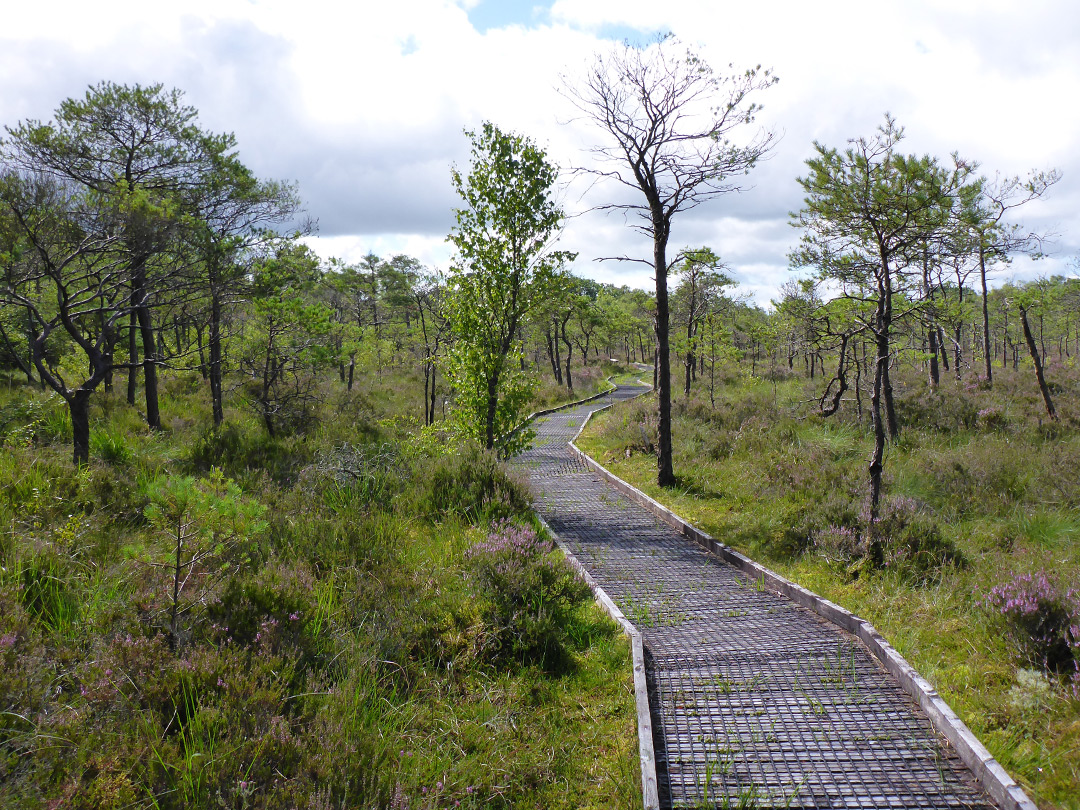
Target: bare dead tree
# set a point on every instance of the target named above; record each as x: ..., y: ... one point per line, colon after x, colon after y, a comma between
x: 669, y: 120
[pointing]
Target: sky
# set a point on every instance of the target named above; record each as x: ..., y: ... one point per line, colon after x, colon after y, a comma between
x: 365, y: 104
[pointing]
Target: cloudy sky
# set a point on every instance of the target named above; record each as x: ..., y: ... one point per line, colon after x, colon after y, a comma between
x: 364, y: 104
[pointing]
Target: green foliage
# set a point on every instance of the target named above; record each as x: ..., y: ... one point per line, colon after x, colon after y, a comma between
x: 243, y: 453
x: 503, y: 267
x: 111, y: 448
x: 473, y: 485
x: 284, y: 342
x: 338, y: 656
x: 208, y: 524
x: 529, y: 596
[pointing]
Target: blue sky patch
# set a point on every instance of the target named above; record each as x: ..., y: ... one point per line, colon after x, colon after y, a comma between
x: 488, y: 14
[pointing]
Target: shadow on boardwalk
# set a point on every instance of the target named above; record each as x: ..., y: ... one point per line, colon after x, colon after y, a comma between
x: 756, y: 702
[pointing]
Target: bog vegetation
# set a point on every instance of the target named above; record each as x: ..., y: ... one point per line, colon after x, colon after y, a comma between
x: 279, y: 572
x: 257, y: 546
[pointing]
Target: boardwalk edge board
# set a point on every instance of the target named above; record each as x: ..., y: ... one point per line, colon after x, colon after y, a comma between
x: 650, y: 794
x: 1001, y: 787
x: 646, y: 752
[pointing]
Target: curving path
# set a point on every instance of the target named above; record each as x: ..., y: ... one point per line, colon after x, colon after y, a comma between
x: 755, y: 702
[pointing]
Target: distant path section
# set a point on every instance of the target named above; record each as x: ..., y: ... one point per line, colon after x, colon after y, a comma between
x: 755, y: 701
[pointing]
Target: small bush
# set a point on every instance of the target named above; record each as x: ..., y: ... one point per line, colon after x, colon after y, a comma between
x: 240, y: 453
x: 528, y: 595
x: 1043, y: 620
x: 45, y: 590
x: 903, y: 539
x: 21, y: 420
x: 361, y: 476
x: 473, y: 485
x: 911, y: 541
x: 268, y: 612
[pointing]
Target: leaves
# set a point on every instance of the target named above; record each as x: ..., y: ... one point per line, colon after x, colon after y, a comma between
x: 504, y: 265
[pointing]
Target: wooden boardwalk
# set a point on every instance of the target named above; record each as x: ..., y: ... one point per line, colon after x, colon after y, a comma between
x: 755, y: 702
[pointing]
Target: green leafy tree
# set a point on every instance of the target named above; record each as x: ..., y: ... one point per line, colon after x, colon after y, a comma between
x: 504, y: 262
x: 59, y: 266
x: 206, y: 523
x: 700, y: 290
x: 138, y: 153
x: 285, y: 342
x: 234, y: 212
x: 983, y: 217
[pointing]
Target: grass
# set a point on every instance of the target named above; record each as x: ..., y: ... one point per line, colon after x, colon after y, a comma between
x: 765, y: 475
x: 335, y: 652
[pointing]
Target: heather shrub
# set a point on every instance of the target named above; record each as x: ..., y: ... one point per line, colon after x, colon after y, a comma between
x: 911, y: 541
x: 903, y: 539
x: 268, y: 612
x: 991, y: 418
x: 985, y: 476
x: 357, y: 477
x: 240, y: 453
x: 1043, y: 620
x: 471, y: 484
x: 528, y: 595
x: 810, y: 525
x: 938, y: 410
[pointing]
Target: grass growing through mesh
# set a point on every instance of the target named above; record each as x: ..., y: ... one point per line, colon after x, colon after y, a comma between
x: 980, y: 489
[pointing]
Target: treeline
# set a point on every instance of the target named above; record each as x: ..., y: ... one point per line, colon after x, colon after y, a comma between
x: 133, y: 240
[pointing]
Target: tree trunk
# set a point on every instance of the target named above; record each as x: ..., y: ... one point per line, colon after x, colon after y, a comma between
x: 214, y: 349
x: 1033, y: 349
x: 557, y: 358
x: 665, y: 470
x: 877, y: 459
x: 569, y: 352
x: 489, y: 418
x: 935, y: 377
x: 146, y: 329
x: 431, y: 412
x: 553, y: 353
x: 689, y: 362
x: 133, y: 356
x: 427, y: 382
x: 884, y: 345
x: 858, y: 379
x: 841, y: 380
x: 79, y: 408
x: 985, y: 314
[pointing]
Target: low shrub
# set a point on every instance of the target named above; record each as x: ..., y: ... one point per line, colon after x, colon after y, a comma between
x: 240, y: 454
x: 269, y: 612
x: 361, y: 476
x: 471, y: 484
x: 1043, y: 620
x: 903, y: 539
x: 528, y: 594
x: 111, y: 448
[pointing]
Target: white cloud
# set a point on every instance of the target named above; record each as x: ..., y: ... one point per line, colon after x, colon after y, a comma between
x: 364, y: 104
